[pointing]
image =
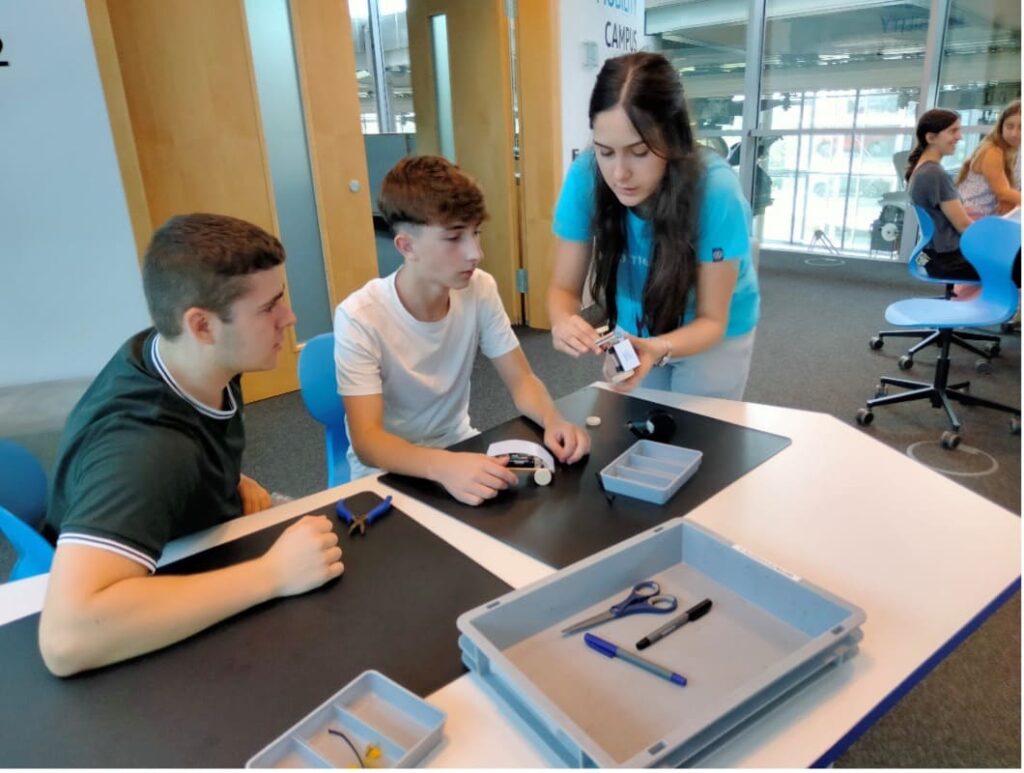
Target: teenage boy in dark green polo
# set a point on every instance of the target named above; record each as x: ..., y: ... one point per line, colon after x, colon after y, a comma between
x: 153, y: 452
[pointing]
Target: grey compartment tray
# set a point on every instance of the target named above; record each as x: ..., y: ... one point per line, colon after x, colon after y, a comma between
x: 768, y: 634
x: 371, y: 709
x: 650, y: 470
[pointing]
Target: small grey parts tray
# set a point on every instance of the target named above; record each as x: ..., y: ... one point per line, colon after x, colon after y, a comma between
x: 372, y: 721
x: 651, y: 471
x: 768, y: 634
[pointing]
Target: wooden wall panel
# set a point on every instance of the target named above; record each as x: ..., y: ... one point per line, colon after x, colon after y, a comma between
x: 188, y: 83
x: 120, y: 122
x: 540, y: 127
x: 326, y: 62
x: 481, y: 87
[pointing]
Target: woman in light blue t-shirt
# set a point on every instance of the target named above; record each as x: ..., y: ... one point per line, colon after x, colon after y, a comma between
x: 667, y: 227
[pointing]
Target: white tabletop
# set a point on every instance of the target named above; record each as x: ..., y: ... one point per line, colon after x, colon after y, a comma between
x: 922, y: 556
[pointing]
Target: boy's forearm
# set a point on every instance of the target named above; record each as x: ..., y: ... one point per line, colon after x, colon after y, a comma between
x: 141, y: 614
x: 382, y: 449
x: 533, y: 401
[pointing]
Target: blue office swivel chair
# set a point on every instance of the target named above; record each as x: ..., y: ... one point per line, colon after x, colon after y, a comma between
x: 990, y: 245
x: 34, y: 554
x: 930, y: 336
x: 22, y: 484
x: 320, y: 394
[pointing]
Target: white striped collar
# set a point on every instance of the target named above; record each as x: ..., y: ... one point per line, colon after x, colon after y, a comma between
x: 165, y: 374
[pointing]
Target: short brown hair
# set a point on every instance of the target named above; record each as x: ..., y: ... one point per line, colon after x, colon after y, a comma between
x: 201, y: 260
x: 430, y: 190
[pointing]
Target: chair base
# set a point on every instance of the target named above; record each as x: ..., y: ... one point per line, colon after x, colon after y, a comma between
x: 961, y: 338
x: 939, y: 393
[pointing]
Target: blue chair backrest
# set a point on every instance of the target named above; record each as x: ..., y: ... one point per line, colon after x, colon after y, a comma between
x: 927, y: 234
x: 34, y: 554
x: 990, y: 245
x: 22, y: 484
x: 319, y: 387
x: 924, y: 220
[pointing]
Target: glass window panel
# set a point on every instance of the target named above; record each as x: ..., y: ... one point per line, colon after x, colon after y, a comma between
x: 842, y: 63
x: 442, y: 85
x: 284, y: 129
x: 386, y: 142
x: 359, y: 12
x: 837, y: 193
x: 394, y: 33
x: 980, y: 65
x: 707, y: 43
x: 846, y: 67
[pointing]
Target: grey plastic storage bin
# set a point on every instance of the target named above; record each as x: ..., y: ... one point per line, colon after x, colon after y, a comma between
x: 651, y: 471
x: 768, y: 634
x: 369, y: 709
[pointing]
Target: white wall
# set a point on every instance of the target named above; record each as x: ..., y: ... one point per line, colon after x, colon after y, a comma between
x: 70, y: 287
x: 616, y: 27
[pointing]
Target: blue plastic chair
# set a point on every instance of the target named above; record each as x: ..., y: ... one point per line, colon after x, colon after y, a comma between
x: 990, y: 245
x: 319, y: 387
x: 22, y: 484
x: 34, y: 554
x: 929, y: 336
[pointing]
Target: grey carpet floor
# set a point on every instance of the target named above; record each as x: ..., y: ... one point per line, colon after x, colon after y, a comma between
x: 812, y: 354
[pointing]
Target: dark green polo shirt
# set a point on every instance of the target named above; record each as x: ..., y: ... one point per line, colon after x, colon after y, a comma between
x: 141, y: 463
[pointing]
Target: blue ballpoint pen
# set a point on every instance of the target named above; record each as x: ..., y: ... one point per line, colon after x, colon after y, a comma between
x: 610, y: 650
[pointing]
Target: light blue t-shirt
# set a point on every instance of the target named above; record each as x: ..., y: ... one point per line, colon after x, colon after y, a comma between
x: 723, y: 234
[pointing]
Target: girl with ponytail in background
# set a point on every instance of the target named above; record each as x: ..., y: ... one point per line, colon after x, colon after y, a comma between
x: 929, y: 186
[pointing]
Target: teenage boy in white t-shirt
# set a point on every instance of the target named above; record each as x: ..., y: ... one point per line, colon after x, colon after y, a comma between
x: 405, y: 344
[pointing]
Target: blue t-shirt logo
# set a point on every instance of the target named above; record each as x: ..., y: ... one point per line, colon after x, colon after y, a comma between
x: 717, y: 254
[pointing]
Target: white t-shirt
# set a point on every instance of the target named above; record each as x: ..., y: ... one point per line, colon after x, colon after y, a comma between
x: 422, y: 369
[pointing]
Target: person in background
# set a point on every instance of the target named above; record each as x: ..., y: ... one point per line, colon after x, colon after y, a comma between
x: 989, y: 181
x: 666, y: 226
x: 930, y: 187
x: 986, y: 179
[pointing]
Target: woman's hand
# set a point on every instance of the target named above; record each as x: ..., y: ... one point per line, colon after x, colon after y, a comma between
x: 574, y: 335
x: 649, y: 351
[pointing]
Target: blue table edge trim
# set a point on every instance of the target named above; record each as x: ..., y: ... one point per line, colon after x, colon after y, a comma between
x: 918, y: 674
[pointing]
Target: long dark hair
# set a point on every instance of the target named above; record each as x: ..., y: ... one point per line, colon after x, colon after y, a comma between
x: 932, y: 121
x: 650, y: 92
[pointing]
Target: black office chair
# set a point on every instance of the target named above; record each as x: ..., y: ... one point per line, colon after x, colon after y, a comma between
x: 989, y: 245
x: 929, y: 336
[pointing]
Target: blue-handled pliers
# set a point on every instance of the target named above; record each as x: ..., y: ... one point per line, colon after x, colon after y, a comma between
x: 360, y: 522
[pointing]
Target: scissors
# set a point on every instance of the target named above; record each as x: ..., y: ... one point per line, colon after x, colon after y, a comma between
x: 360, y: 522
x: 643, y: 598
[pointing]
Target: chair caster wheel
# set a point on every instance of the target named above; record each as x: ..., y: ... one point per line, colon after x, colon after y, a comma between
x: 984, y: 367
x: 950, y: 440
x: 876, y: 342
x: 881, y: 391
x: 994, y: 350
x: 865, y: 417
x: 906, y: 362
x: 1014, y: 426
